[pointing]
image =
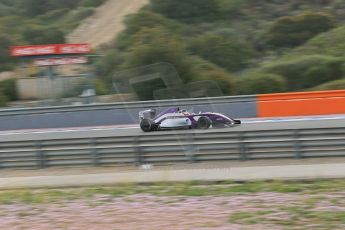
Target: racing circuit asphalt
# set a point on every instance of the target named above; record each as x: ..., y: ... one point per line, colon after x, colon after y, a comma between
x: 255, y: 124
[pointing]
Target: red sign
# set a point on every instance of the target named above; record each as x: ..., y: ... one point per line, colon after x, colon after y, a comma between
x: 60, y: 61
x: 53, y: 49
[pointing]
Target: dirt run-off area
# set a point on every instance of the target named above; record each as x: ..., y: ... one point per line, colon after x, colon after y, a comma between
x: 106, y: 23
x: 222, y: 205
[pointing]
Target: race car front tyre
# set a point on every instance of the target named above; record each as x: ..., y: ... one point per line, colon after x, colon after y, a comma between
x: 147, y: 125
x: 204, y: 123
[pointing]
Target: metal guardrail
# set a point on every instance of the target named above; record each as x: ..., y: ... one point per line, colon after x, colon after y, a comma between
x: 127, y: 105
x: 169, y: 147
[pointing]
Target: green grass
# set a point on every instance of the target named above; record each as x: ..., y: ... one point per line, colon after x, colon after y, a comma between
x: 300, y: 214
x: 312, y: 201
x: 249, y: 217
x: 295, y: 216
x: 174, y: 189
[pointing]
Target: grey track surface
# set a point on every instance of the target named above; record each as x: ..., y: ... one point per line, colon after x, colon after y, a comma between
x: 135, y: 131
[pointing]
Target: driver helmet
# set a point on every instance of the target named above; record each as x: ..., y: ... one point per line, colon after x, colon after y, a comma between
x: 184, y: 112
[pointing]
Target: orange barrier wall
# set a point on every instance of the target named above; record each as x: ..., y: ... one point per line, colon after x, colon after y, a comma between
x: 302, y: 103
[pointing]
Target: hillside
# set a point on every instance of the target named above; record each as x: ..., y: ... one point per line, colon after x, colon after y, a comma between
x: 246, y: 46
x: 105, y: 23
x: 25, y: 22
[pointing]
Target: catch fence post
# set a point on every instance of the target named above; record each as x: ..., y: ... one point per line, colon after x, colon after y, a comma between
x: 94, y: 152
x: 297, y: 143
x: 242, y: 147
x: 191, y: 148
x: 40, y: 155
x: 137, y: 151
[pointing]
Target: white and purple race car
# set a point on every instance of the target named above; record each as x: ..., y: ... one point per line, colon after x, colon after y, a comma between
x: 174, y: 118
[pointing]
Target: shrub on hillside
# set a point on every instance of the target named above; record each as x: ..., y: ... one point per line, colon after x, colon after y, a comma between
x: 145, y: 18
x: 92, y: 3
x: 210, y: 82
x: 329, y: 43
x: 318, y: 74
x: 145, y: 89
x: 187, y: 10
x: 291, y: 31
x: 3, y: 100
x: 79, y: 14
x: 107, y: 64
x: 154, y: 45
x: 259, y: 83
x: 308, y: 71
x: 332, y: 85
x: 101, y: 88
x: 5, y: 58
x: 171, y: 93
x: 8, y: 89
x: 231, y: 53
x: 207, y: 71
x: 33, y: 8
x: 36, y: 35
x: 53, y: 15
x: 231, y: 9
x: 224, y: 80
x: 157, y: 45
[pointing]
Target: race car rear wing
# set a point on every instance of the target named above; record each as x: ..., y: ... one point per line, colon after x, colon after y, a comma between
x: 147, y: 114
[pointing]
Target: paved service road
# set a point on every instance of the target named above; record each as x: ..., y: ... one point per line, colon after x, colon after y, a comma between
x: 309, y: 171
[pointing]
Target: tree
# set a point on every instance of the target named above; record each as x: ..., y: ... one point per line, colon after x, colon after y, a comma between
x: 4, y: 50
x: 150, y: 46
x: 258, y: 83
x: 186, y: 10
x: 231, y: 53
x: 308, y: 71
x: 8, y: 89
x: 32, y: 7
x: 231, y: 9
x: 149, y: 19
x: 6, y: 61
x: 331, y: 85
x: 156, y: 45
x: 292, y: 31
x: 3, y: 100
x: 36, y: 35
x: 11, y: 25
x: 109, y: 63
x: 319, y: 74
x: 210, y: 72
x: 91, y: 3
x: 36, y: 7
x: 140, y: 20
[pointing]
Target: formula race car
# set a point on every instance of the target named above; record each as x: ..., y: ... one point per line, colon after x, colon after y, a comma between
x: 174, y: 118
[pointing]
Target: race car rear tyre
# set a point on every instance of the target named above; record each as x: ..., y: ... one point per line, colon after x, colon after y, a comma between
x: 147, y: 125
x: 204, y: 123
